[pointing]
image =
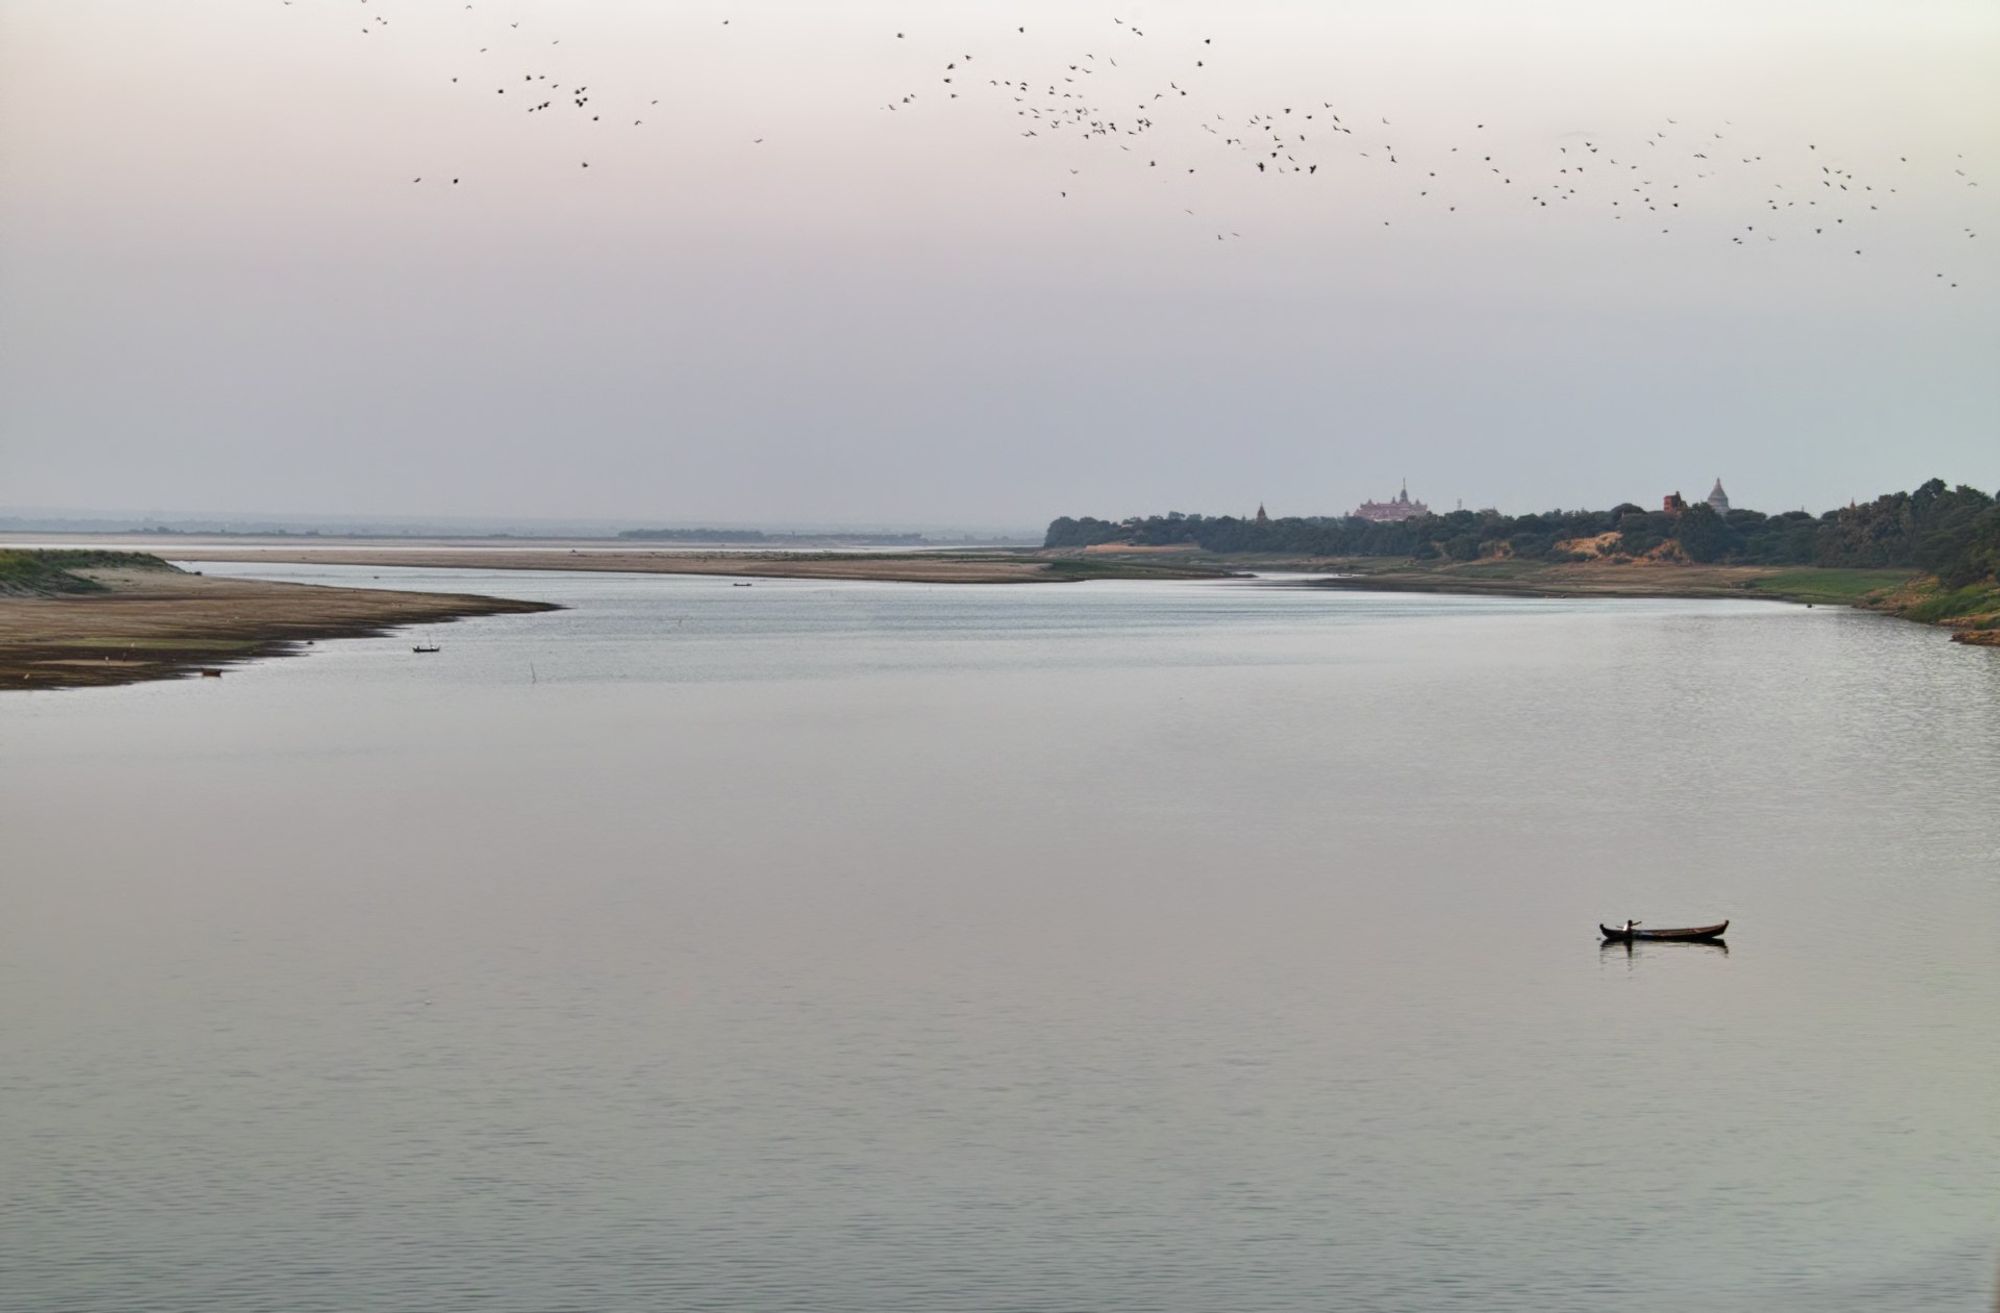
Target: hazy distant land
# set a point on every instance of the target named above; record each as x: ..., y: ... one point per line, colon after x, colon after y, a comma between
x: 1931, y: 555
x: 93, y: 617
x: 74, y: 618
x: 933, y: 567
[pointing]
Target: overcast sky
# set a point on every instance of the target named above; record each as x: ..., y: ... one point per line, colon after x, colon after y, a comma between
x: 223, y: 290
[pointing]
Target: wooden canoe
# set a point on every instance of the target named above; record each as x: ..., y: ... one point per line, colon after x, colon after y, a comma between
x: 1689, y: 932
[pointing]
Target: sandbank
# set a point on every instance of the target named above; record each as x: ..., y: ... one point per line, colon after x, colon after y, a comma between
x: 891, y: 567
x: 164, y: 624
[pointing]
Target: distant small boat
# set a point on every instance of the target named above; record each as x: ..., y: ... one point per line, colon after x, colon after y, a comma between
x: 739, y: 585
x: 1697, y: 932
x: 211, y: 673
x: 426, y: 647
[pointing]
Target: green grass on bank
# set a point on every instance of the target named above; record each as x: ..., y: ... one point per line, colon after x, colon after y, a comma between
x: 52, y: 573
x: 1841, y: 586
x: 1895, y: 591
x: 1975, y: 599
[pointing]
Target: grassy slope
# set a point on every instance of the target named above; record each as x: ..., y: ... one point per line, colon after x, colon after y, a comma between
x: 1972, y: 612
x: 1978, y: 605
x: 1841, y: 587
x: 53, y: 573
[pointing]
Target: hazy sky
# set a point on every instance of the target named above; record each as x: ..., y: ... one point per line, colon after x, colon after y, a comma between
x: 220, y: 289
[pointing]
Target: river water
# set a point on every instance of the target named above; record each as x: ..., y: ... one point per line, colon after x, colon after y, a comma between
x: 1105, y: 946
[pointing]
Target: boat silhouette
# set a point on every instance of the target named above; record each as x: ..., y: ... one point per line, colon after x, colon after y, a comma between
x: 1631, y: 933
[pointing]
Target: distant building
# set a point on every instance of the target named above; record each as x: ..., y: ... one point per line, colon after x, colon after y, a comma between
x: 1389, y: 512
x: 1718, y: 500
x: 1261, y: 517
x: 1673, y: 504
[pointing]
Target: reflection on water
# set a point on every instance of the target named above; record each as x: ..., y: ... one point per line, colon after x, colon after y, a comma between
x: 1631, y: 950
x: 841, y: 946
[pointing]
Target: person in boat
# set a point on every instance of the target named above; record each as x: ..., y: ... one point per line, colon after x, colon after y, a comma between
x: 1630, y: 926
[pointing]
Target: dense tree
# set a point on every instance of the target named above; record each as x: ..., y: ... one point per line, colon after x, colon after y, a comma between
x: 1702, y: 534
x: 1953, y: 533
x: 1086, y: 532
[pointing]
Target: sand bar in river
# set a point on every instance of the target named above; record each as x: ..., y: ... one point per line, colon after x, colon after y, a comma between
x: 162, y: 624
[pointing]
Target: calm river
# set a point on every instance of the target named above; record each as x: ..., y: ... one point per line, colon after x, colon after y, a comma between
x: 1089, y: 947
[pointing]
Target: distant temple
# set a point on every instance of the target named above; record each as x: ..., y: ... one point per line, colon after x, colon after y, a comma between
x: 1389, y: 512
x: 1718, y: 501
x: 1262, y: 518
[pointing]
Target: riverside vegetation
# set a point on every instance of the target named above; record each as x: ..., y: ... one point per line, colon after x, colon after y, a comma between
x: 1931, y: 555
x: 55, y: 573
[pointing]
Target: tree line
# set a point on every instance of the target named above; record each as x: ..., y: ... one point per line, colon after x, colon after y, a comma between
x: 1953, y: 533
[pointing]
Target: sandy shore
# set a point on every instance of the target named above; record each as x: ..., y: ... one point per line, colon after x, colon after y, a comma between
x: 161, y: 624
x: 912, y: 567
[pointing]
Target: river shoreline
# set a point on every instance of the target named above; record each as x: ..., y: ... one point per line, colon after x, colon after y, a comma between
x: 152, y: 624
x: 1972, y: 616
x: 1890, y: 591
x: 930, y: 567
x: 148, y: 624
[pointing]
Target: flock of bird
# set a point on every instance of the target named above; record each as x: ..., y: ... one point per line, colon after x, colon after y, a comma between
x: 1155, y: 117
x: 1139, y: 104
